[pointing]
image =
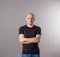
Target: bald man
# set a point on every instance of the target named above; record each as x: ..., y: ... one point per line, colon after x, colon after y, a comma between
x: 29, y: 37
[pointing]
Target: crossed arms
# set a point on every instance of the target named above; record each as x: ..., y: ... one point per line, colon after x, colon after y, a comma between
x: 24, y: 40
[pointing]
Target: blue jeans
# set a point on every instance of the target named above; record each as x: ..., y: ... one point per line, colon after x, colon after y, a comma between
x: 30, y: 55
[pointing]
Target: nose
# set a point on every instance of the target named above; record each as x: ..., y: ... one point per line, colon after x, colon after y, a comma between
x: 30, y: 20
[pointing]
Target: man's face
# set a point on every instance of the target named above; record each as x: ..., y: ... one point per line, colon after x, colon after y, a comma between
x: 30, y: 19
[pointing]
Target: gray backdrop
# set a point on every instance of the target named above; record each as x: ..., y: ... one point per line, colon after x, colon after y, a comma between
x: 12, y: 16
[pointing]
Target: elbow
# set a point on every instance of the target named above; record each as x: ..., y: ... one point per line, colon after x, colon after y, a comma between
x: 20, y: 40
x: 38, y: 40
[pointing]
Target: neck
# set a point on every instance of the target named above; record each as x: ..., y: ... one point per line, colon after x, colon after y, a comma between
x: 30, y: 25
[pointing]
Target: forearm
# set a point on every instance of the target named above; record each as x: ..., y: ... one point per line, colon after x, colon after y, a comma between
x: 30, y: 40
x: 33, y: 40
x: 24, y: 41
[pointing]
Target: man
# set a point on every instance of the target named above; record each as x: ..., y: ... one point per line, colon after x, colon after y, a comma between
x: 29, y: 37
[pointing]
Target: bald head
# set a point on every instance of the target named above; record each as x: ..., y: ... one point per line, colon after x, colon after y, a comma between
x: 30, y: 14
x: 30, y: 17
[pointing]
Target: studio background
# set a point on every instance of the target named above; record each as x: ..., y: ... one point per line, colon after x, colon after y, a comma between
x: 12, y: 16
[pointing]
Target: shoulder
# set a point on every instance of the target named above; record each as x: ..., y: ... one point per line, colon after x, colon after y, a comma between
x: 38, y: 27
x: 22, y: 27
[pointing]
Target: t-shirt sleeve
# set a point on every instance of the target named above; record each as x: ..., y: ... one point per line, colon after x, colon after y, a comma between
x: 21, y: 30
x: 38, y: 31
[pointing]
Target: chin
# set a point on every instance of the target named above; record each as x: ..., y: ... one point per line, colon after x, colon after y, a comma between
x: 30, y: 24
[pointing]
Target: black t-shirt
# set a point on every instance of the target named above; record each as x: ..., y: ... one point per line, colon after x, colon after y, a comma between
x: 28, y: 32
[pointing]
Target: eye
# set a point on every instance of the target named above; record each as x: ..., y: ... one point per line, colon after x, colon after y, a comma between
x: 29, y: 18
